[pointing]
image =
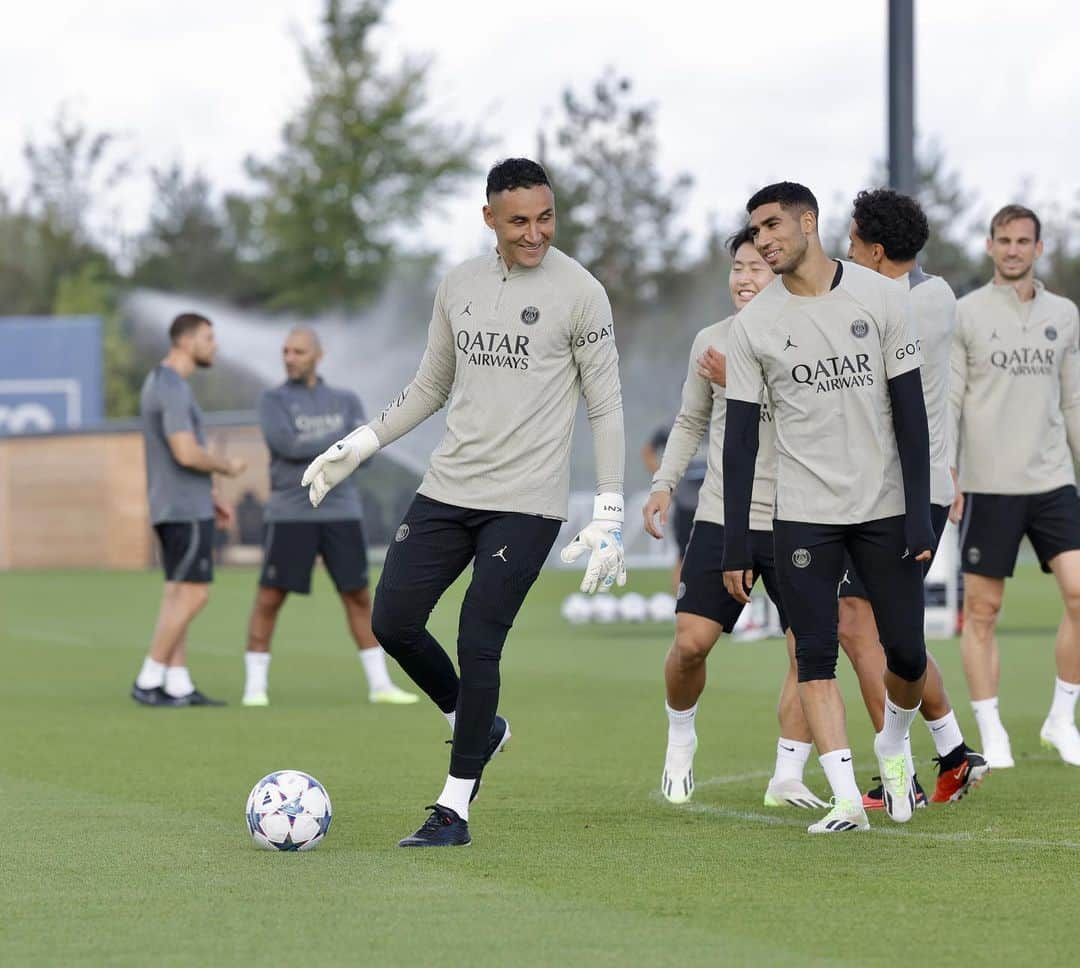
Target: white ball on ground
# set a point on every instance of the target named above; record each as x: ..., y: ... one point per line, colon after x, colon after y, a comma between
x: 576, y: 609
x: 605, y: 608
x: 633, y: 607
x: 662, y: 607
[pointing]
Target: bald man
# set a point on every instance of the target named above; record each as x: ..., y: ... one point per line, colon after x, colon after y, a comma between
x: 299, y: 420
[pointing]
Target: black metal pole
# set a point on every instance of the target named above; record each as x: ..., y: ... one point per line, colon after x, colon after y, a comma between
x: 902, y: 95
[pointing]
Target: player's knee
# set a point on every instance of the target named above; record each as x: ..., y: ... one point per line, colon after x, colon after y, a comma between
x: 394, y: 623
x: 693, y: 640
x: 981, y: 611
x: 195, y: 596
x: 815, y: 656
x: 909, y: 664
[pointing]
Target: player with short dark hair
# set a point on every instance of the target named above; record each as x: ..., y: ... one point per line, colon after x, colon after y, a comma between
x: 704, y: 609
x: 299, y: 420
x: 1015, y: 398
x: 887, y: 232
x: 183, y: 508
x: 833, y: 346
x: 518, y: 336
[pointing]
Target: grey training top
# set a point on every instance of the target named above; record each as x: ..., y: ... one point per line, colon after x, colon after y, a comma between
x: 168, y: 406
x: 826, y: 361
x: 299, y: 422
x: 514, y: 350
x: 704, y: 410
x: 1015, y: 391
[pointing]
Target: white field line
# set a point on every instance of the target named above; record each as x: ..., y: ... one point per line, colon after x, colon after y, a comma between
x: 893, y: 830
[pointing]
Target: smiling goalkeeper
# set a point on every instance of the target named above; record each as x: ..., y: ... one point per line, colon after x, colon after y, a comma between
x: 516, y: 337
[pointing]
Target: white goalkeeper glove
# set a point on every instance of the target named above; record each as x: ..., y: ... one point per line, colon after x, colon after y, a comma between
x: 337, y: 462
x: 602, y: 538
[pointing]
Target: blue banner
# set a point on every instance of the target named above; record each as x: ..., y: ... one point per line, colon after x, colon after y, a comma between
x: 50, y: 373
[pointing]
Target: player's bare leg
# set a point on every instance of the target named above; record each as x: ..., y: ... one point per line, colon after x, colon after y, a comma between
x: 786, y: 786
x: 357, y: 605
x: 1059, y: 730
x: 960, y: 768
x: 982, y: 663
x: 684, y: 677
x: 261, y: 625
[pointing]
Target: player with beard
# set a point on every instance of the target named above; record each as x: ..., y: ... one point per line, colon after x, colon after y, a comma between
x: 1015, y: 396
x: 704, y: 609
x: 886, y: 234
x: 183, y: 508
x: 516, y: 337
x: 832, y: 344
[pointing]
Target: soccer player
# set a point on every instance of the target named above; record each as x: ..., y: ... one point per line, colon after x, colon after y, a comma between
x: 183, y: 509
x: 832, y: 344
x: 516, y: 336
x: 887, y: 232
x: 703, y: 608
x: 1015, y: 396
x: 299, y: 420
x: 685, y: 496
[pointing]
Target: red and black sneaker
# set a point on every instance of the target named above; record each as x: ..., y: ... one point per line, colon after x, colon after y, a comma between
x: 958, y: 772
x: 875, y: 799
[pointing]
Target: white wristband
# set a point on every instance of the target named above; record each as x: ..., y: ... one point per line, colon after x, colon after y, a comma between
x: 608, y: 507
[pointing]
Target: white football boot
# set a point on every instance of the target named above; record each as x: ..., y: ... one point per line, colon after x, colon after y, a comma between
x: 1063, y: 736
x: 897, y: 785
x: 845, y: 815
x: 793, y: 793
x: 677, y: 783
x: 998, y: 751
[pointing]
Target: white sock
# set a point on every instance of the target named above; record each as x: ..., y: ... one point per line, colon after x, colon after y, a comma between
x: 840, y: 773
x: 987, y: 719
x: 945, y: 733
x: 791, y: 757
x: 257, y: 669
x: 374, y: 660
x: 451, y: 718
x: 151, y: 675
x: 1063, y: 708
x: 455, y: 795
x: 178, y: 682
x: 890, y: 741
x: 681, y: 730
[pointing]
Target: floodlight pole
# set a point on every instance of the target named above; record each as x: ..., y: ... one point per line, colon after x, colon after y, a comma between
x: 902, y: 95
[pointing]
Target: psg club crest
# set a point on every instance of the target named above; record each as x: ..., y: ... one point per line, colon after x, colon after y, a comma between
x: 800, y: 558
x: 402, y: 533
x: 529, y: 315
x: 1051, y: 333
x: 860, y: 328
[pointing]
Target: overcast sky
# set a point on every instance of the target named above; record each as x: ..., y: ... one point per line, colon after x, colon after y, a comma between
x: 746, y: 93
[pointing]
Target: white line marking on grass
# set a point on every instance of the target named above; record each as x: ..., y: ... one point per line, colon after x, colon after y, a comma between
x: 960, y: 836
x: 57, y: 638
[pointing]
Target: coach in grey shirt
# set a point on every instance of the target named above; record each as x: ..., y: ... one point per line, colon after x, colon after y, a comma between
x: 300, y: 419
x: 183, y: 508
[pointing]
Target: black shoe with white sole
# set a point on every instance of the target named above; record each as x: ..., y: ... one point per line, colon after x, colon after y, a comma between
x: 444, y: 828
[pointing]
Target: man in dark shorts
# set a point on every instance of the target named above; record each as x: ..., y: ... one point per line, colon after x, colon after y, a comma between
x: 183, y: 509
x: 299, y: 420
x: 704, y: 609
x: 887, y: 232
x: 1015, y: 396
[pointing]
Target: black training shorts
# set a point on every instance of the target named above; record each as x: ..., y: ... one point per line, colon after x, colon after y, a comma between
x: 290, y: 547
x: 187, y: 550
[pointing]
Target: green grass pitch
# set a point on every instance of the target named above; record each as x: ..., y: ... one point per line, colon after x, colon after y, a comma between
x: 124, y: 841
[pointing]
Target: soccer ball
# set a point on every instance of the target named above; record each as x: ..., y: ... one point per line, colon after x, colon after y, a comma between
x: 662, y: 607
x: 633, y: 607
x: 576, y: 609
x: 288, y: 810
x: 605, y: 608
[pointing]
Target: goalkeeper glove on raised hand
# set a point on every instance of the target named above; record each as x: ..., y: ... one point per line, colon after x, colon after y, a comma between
x: 602, y: 538
x: 337, y: 462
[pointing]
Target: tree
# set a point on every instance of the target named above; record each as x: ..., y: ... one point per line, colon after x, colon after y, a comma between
x: 618, y: 215
x: 359, y: 162
x: 186, y: 245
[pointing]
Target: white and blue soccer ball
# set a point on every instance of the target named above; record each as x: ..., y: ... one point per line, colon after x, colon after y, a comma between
x: 662, y: 607
x: 288, y: 810
x: 633, y: 607
x: 576, y: 609
x: 605, y: 609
